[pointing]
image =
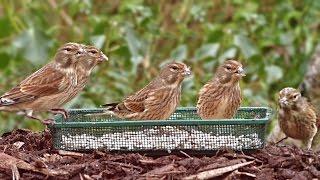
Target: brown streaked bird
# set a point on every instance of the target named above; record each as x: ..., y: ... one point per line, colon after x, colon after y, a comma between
x: 221, y: 96
x: 297, y: 117
x: 54, y: 84
x: 158, y: 100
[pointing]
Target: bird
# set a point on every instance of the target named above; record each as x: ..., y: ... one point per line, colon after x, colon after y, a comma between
x: 55, y: 84
x: 221, y: 96
x: 297, y: 117
x: 157, y: 100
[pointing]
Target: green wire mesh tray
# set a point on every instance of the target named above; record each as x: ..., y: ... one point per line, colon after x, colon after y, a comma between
x: 184, y: 131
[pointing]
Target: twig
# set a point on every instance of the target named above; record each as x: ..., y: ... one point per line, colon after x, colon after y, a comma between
x: 5, y: 148
x: 15, y: 172
x: 236, y: 172
x: 216, y: 172
x: 69, y: 153
x: 216, y: 165
x: 147, y: 162
x: 165, y: 173
x: 160, y: 171
x: 244, y: 156
x: 85, y: 177
x: 124, y: 165
x: 7, y: 161
x: 185, y: 154
x: 245, y: 173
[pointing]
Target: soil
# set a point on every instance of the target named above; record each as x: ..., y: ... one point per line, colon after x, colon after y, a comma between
x: 29, y: 155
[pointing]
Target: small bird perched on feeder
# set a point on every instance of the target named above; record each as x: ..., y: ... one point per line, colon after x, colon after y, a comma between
x: 55, y: 83
x: 297, y: 117
x: 221, y: 97
x: 156, y: 101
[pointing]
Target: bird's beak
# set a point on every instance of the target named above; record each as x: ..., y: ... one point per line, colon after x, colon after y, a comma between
x: 187, y: 72
x: 241, y: 72
x: 283, y: 102
x: 103, y: 58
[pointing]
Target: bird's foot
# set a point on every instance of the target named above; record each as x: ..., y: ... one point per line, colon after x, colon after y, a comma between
x: 48, y: 122
x: 63, y: 112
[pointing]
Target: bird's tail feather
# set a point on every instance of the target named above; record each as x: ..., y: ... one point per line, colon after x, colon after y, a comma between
x: 110, y: 106
x: 104, y: 113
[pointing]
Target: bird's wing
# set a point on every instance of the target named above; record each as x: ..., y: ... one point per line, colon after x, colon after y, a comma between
x: 43, y: 82
x: 136, y: 102
x: 156, y: 98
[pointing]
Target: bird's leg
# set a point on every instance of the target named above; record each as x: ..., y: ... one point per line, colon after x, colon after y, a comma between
x: 282, y: 140
x: 28, y: 114
x: 307, y: 144
x: 48, y: 122
x: 63, y: 112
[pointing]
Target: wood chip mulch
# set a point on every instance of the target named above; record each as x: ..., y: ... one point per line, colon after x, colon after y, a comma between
x: 28, y: 155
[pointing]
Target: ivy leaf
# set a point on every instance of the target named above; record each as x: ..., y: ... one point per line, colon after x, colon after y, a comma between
x: 136, y: 47
x: 207, y: 50
x: 5, y: 22
x: 274, y: 73
x: 4, y: 60
x: 229, y: 53
x: 245, y: 45
x: 33, y: 45
x: 98, y: 40
x: 180, y: 53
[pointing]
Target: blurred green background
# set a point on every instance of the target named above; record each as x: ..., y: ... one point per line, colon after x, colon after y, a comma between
x: 274, y: 40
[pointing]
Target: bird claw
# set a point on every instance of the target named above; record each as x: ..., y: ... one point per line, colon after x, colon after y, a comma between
x: 63, y: 112
x: 48, y: 122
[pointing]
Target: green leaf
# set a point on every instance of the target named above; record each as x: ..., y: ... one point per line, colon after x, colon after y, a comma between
x: 7, y: 27
x: 180, y: 53
x: 136, y: 47
x: 207, y: 50
x: 34, y: 46
x: 245, y: 45
x: 4, y: 60
x: 98, y: 40
x: 229, y: 53
x: 274, y: 73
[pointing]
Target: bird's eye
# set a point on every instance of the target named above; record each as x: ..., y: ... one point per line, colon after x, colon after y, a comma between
x: 295, y: 96
x: 174, y: 67
x: 228, y: 68
x: 67, y: 49
x: 93, y: 51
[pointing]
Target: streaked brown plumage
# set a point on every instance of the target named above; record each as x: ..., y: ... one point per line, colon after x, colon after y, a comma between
x: 221, y: 97
x: 157, y: 100
x: 54, y: 84
x: 297, y: 117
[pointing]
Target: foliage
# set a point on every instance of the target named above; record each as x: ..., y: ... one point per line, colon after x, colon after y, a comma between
x: 274, y: 39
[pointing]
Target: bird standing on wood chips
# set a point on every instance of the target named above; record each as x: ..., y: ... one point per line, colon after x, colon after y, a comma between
x: 221, y: 97
x: 297, y: 117
x: 158, y: 100
x: 54, y: 84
